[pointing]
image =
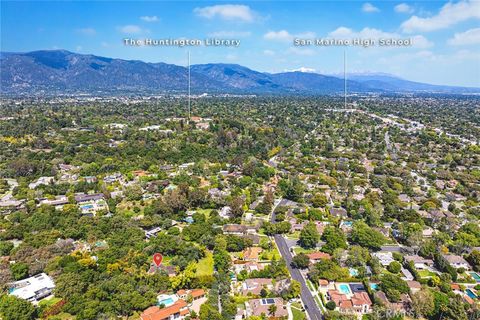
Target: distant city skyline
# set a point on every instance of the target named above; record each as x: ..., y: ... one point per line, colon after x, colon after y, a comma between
x: 445, y: 35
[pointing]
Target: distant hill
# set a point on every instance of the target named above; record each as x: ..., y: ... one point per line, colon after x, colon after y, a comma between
x: 60, y: 71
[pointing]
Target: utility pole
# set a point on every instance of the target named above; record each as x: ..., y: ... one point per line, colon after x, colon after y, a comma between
x: 345, y: 78
x: 189, y: 85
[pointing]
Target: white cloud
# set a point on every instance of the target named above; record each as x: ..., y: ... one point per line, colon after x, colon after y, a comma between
x: 269, y: 53
x: 450, y: 14
x: 302, y: 69
x: 285, y: 36
x: 468, y: 37
x: 368, y: 7
x: 282, y: 35
x: 149, y: 18
x: 230, y: 34
x: 231, y: 57
x: 465, y: 55
x: 301, y: 51
x: 87, y: 31
x: 130, y: 29
x: 418, y: 41
x: 403, y: 8
x: 227, y: 12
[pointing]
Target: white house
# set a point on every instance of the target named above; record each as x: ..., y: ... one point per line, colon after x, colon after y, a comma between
x: 456, y: 261
x: 34, y: 288
x: 385, y: 258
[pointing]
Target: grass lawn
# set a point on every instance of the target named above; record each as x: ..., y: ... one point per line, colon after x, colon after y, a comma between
x: 166, y: 260
x: 269, y: 255
x: 298, y: 314
x: 310, y: 285
x: 205, y: 265
x: 294, y: 235
x: 49, y: 302
x: 206, y: 212
x: 426, y: 273
x: 298, y: 250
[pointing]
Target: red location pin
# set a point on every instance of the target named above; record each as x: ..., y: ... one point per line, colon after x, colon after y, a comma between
x: 157, y: 258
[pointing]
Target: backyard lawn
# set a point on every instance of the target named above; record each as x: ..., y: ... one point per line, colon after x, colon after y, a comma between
x: 205, y: 265
x: 298, y: 314
x: 426, y: 273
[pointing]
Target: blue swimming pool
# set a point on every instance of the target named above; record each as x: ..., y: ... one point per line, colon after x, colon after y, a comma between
x: 471, y: 294
x: 475, y: 276
x: 344, y: 288
x: 374, y: 286
x: 87, y: 206
x: 353, y: 272
x: 166, y: 302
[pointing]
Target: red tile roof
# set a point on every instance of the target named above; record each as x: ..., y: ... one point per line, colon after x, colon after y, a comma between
x: 155, y: 313
x: 319, y: 255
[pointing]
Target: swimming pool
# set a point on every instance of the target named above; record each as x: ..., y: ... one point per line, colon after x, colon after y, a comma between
x: 475, y: 276
x: 344, y: 288
x: 166, y: 300
x: 353, y: 272
x: 471, y: 294
x: 374, y: 286
x: 87, y: 206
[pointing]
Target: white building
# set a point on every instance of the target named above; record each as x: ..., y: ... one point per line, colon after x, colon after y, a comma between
x: 385, y: 258
x: 40, y: 181
x: 34, y: 288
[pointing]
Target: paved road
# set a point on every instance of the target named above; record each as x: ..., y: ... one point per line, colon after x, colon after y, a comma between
x: 311, y: 307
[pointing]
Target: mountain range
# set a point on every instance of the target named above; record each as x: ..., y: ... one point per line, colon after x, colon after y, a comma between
x: 60, y: 71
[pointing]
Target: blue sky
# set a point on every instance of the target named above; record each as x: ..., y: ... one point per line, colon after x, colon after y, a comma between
x: 445, y: 50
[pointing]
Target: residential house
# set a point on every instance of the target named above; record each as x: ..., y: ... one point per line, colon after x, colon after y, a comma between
x: 196, y: 294
x: 420, y: 262
x: 41, y: 181
x: 33, y: 289
x: 152, y: 232
x: 359, y: 302
x: 255, y: 286
x: 385, y: 258
x: 257, y: 307
x: 315, y: 257
x: 177, y: 311
x: 414, y: 286
x: 251, y: 253
x: 58, y: 202
x: 403, y: 305
x: 456, y: 261
x: 339, y: 213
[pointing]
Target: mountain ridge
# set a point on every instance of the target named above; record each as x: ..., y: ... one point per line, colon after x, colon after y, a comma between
x: 53, y: 71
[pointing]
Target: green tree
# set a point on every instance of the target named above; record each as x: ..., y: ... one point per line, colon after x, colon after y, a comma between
x: 365, y: 236
x: 394, y: 267
x: 393, y: 286
x: 423, y: 303
x: 300, y: 261
x: 13, y: 308
x: 331, y: 305
x: 309, y: 236
x: 319, y: 200
x: 19, y: 270
x: 334, y: 238
x: 5, y: 248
